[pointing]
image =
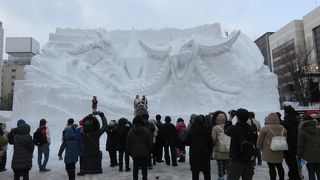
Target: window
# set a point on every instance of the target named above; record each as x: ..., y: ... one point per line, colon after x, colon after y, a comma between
x: 12, y: 84
x: 13, y: 70
x: 316, y: 34
x: 13, y: 77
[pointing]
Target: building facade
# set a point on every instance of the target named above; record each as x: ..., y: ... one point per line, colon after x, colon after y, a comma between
x: 20, y: 51
x: 263, y: 44
x: 1, y: 41
x: 297, y: 36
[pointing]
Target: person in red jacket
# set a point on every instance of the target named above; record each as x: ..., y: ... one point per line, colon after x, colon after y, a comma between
x: 181, y: 131
x: 94, y: 104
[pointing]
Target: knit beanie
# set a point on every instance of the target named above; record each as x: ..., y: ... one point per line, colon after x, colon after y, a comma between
x: 42, y: 122
x: 242, y: 115
x: 20, y: 122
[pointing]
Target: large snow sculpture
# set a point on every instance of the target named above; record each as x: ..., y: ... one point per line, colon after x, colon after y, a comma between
x: 194, y: 70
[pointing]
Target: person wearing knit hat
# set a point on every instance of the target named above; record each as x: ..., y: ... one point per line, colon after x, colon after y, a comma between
x: 20, y: 122
x: 240, y: 133
x: 44, y: 148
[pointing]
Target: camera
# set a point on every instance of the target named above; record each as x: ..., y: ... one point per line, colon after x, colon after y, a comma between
x: 96, y: 113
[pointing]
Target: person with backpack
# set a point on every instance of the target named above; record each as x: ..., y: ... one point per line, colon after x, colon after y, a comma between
x: 242, y: 148
x: 169, y: 134
x: 291, y: 123
x: 181, y: 133
x: 23, y: 148
x: 200, y: 142
x: 42, y: 140
x: 139, y: 145
x: 71, y: 145
x: 221, y: 143
x: 257, y: 127
x: 309, y: 145
x: 272, y: 129
x: 122, y: 134
x: 90, y: 138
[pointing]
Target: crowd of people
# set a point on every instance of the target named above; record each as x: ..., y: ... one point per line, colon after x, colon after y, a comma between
x: 236, y: 141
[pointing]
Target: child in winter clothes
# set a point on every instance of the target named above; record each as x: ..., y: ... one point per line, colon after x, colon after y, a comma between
x: 181, y: 132
x: 71, y: 144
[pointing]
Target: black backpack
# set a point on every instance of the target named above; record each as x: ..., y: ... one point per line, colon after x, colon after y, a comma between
x: 38, y: 138
x: 248, y: 149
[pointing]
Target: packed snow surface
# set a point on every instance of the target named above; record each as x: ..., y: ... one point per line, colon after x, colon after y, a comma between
x: 181, y: 71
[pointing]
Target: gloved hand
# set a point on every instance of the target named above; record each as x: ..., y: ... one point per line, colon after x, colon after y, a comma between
x: 101, y: 114
x: 228, y: 123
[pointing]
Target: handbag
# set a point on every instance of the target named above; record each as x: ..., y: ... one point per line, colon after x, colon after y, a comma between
x: 278, y: 143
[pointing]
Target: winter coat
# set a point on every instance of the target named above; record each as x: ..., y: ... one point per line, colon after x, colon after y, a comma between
x: 200, y: 142
x: 112, y: 139
x: 139, y: 141
x: 265, y: 138
x: 291, y: 123
x: 22, y: 148
x: 3, y: 143
x: 168, y: 133
x: 309, y: 141
x: 214, y: 134
x: 71, y: 144
x: 238, y: 133
x: 122, y: 134
x: 92, y: 155
x: 46, y: 133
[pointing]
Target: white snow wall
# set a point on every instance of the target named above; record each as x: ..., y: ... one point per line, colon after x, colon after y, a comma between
x: 181, y: 71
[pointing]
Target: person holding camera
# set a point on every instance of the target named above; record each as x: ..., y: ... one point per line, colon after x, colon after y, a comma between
x: 90, y: 138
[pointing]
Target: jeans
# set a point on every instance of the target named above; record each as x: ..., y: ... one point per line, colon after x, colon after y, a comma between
x: 44, y: 149
x: 206, y: 174
x: 21, y: 172
x: 137, y: 163
x: 273, y: 173
x: 223, y: 167
x: 313, y: 170
x: 240, y: 169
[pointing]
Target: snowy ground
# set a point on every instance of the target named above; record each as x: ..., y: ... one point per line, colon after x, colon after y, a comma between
x: 161, y: 171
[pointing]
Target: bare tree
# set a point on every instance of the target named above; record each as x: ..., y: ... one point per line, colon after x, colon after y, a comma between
x: 298, y: 63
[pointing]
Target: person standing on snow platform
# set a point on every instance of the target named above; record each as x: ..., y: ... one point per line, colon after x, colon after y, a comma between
x: 136, y: 102
x: 144, y: 101
x: 94, y: 104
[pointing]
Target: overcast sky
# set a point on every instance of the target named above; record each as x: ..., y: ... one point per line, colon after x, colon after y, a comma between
x: 37, y: 18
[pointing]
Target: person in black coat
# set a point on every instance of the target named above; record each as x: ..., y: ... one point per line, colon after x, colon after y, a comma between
x: 240, y: 133
x: 291, y: 123
x: 23, y: 148
x: 112, y: 143
x: 122, y: 133
x: 139, y: 145
x: 90, y: 138
x: 199, y: 139
x: 159, y: 141
x: 169, y: 134
x: 151, y: 127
